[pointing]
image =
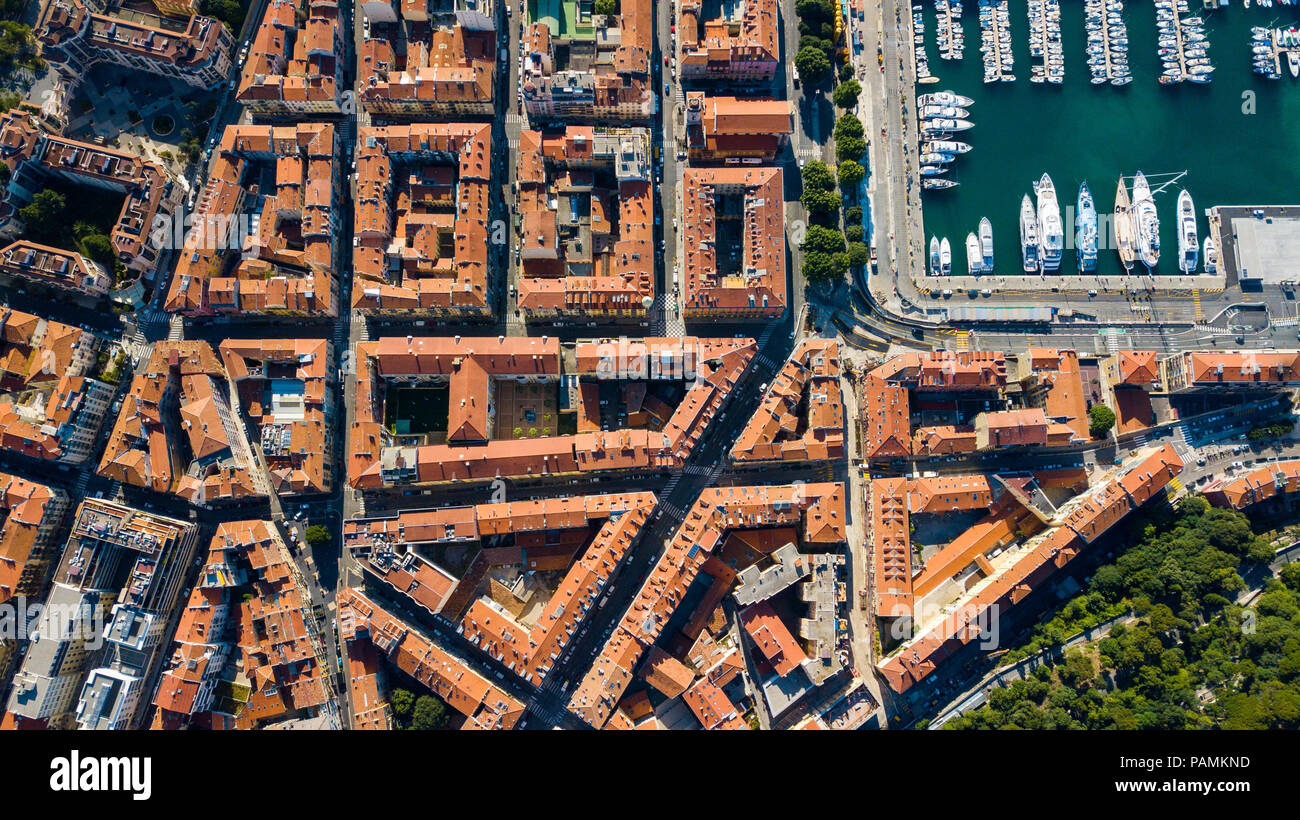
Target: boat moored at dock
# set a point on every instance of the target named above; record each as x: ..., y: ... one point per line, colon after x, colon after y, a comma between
x: 1123, y: 227
x: 1085, y: 230
x: 1146, y: 222
x: 1050, y: 234
x: 1188, y: 245
x: 1029, y: 236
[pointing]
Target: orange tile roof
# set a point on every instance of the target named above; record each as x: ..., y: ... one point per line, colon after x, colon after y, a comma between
x: 712, y: 707
x: 595, y: 273
x: 665, y: 673
x: 1088, y: 517
x: 1138, y: 367
x: 527, y: 650
x: 756, y: 288
x: 772, y: 638
x: 71, y: 33
x: 453, y: 72
x: 285, y: 265
x: 376, y: 461
x: 274, y: 632
x: 31, y: 514
x: 1255, y: 486
x: 28, y: 149
x: 743, y: 49
x: 417, y: 253
x: 293, y: 64
x: 484, y: 705
x: 717, y: 511
x: 143, y: 449
x: 801, y: 418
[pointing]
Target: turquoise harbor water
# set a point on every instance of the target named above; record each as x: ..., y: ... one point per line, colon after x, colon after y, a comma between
x: 1077, y: 131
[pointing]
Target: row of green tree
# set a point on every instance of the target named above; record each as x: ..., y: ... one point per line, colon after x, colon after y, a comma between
x: 1273, y: 430
x: 1192, y: 659
x: 818, y: 46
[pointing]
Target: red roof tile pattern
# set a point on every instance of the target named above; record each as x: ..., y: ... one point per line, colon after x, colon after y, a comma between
x: 717, y: 511
x: 284, y: 265
x: 801, y: 418
x: 483, y: 704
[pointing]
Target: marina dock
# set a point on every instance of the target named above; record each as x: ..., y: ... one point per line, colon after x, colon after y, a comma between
x: 1046, y: 58
x: 951, y: 38
x: 1107, y: 42
x: 995, y: 32
x: 1274, y: 50
x: 918, y: 46
x: 1182, y: 44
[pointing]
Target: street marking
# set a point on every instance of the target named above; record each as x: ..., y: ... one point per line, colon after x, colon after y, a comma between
x: 1196, y: 301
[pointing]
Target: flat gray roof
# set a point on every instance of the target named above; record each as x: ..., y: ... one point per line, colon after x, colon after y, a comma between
x: 1266, y: 248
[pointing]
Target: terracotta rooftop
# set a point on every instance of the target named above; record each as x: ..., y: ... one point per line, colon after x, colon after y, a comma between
x: 484, y: 705
x: 420, y: 221
x: 144, y: 449
x: 802, y: 416
x: 572, y: 260
x: 285, y: 263
x: 378, y: 459
x: 755, y: 289
x: 717, y: 511
x: 1020, y: 568
x: 1258, y: 485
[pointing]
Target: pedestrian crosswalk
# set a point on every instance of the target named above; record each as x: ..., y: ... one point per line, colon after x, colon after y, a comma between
x: 1196, y: 302
x: 1112, y: 343
x: 176, y: 332
x: 671, y: 510
x: 962, y: 339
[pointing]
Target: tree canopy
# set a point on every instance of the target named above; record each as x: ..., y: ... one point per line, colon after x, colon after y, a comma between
x: 850, y: 148
x: 851, y: 174
x: 1192, y: 659
x: 318, y: 534
x: 848, y: 125
x: 820, y: 202
x: 822, y: 239
x: 813, y: 64
x: 846, y: 94
x: 817, y: 176
x: 1100, y: 419
x: 819, y: 266
x: 429, y: 714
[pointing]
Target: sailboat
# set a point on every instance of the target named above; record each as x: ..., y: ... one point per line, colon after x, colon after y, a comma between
x: 1085, y: 232
x: 1123, y: 224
